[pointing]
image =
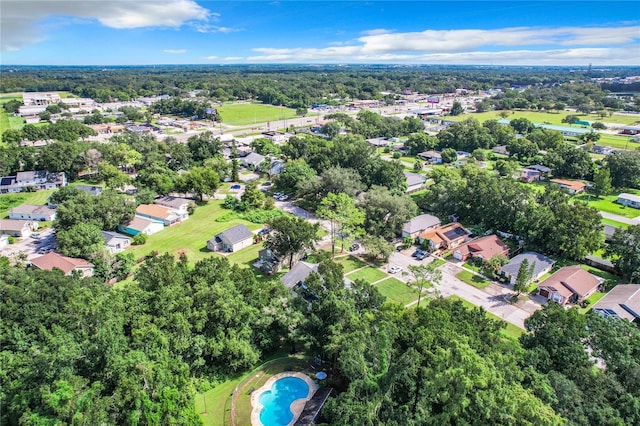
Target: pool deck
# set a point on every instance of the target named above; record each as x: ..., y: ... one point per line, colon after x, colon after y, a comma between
x: 296, y: 406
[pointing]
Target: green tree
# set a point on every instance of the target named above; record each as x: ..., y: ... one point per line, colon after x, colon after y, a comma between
x: 493, y: 266
x: 624, y: 248
x: 377, y: 247
x: 201, y: 181
x: 449, y: 155
x: 385, y: 212
x: 425, y: 275
x: 252, y: 195
x: 625, y: 169
x: 344, y: 218
x: 294, y: 173
x: 456, y: 108
x: 290, y: 236
x: 602, y: 182
x: 112, y: 176
x: 81, y: 240
x: 524, y: 277
x: 570, y: 119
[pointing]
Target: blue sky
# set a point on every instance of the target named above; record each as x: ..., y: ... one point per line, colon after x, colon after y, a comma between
x: 94, y: 32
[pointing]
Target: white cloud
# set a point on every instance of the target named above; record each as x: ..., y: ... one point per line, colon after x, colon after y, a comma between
x: 21, y: 20
x: 175, y: 51
x: 210, y: 58
x: 526, y: 46
x: 207, y: 28
x: 233, y: 58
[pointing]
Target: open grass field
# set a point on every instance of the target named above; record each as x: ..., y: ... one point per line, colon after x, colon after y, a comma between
x: 368, y: 274
x: 608, y: 204
x: 350, y: 263
x: 618, y: 141
x: 192, y: 235
x: 396, y: 291
x: 472, y: 279
x: 510, y: 331
x: 9, y: 201
x: 614, y: 223
x: 243, y: 114
x: 547, y: 117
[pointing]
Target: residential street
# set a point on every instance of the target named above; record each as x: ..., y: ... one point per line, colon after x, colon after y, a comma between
x: 492, y: 298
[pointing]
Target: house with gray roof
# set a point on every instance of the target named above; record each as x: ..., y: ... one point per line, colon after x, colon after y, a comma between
x: 36, y: 179
x: 415, y: 181
x: 623, y: 301
x: 89, y: 189
x: 32, y: 212
x: 175, y: 203
x: 419, y: 224
x: 542, y: 265
x: 253, y: 159
x: 231, y: 240
x: 630, y: 200
x: 298, y: 274
x: 115, y: 242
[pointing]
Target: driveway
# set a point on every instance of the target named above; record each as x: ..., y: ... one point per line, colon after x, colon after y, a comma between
x: 29, y: 246
x: 618, y: 218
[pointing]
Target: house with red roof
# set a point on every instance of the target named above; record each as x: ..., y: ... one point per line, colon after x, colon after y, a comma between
x: 51, y: 261
x: 483, y: 248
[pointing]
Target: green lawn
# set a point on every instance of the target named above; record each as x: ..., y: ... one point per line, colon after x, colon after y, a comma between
x: 350, y: 263
x: 437, y: 263
x: 614, y: 223
x: 242, y: 114
x: 546, y: 117
x: 369, y: 274
x: 396, y: 291
x: 608, y: 204
x: 192, y: 235
x: 617, y: 141
x: 9, y: 201
x: 510, y: 330
x: 592, y: 301
x: 472, y: 279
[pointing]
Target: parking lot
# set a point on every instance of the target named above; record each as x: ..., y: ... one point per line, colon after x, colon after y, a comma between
x: 38, y: 244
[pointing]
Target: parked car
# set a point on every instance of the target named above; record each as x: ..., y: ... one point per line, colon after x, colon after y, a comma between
x: 236, y: 186
x: 394, y: 269
x: 399, y: 247
x: 267, y: 183
x: 35, y: 235
x: 354, y: 247
x: 422, y: 255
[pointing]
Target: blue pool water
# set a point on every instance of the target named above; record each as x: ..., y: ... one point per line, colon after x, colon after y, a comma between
x: 276, y: 402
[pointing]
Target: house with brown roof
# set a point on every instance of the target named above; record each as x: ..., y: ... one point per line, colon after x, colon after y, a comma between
x: 483, y: 248
x: 66, y: 264
x: 572, y: 186
x: 446, y: 237
x: 17, y: 228
x: 166, y: 215
x: 570, y: 284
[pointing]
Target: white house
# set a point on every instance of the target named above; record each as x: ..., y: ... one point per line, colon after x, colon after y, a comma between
x: 115, y: 242
x: 415, y: 181
x: 32, y: 212
x: 419, y: 224
x: 629, y: 200
x: 541, y: 265
x: 143, y: 225
x: 176, y: 203
x: 231, y: 240
x: 157, y: 212
x: 17, y: 228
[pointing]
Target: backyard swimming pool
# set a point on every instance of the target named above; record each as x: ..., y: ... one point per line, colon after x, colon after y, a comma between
x: 277, y: 401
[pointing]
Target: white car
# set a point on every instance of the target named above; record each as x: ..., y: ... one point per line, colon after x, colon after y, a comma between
x: 394, y: 269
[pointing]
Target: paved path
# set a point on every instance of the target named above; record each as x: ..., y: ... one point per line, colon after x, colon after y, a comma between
x: 618, y: 218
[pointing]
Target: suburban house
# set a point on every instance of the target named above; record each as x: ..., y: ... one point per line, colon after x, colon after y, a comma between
x: 175, y: 203
x: 115, y: 242
x: 66, y: 264
x: 91, y: 190
x: 269, y: 262
x: 623, y: 301
x: 415, y: 181
x: 167, y: 215
x: 629, y: 200
x: 564, y: 130
x: 40, y: 98
x: 570, y: 284
x: 39, y: 179
x: 32, y: 212
x: 500, y: 149
x: 608, y: 232
x: 541, y: 265
x: 142, y: 225
x: 231, y: 240
x: 483, y: 248
x: 445, y: 237
x: 379, y: 142
x: 298, y: 274
x: 275, y: 137
x: 572, y: 186
x: 419, y: 224
x: 602, y: 149
x: 542, y: 169
x: 433, y: 157
x: 253, y: 160
x: 276, y: 168
x: 17, y: 228
x: 530, y: 175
